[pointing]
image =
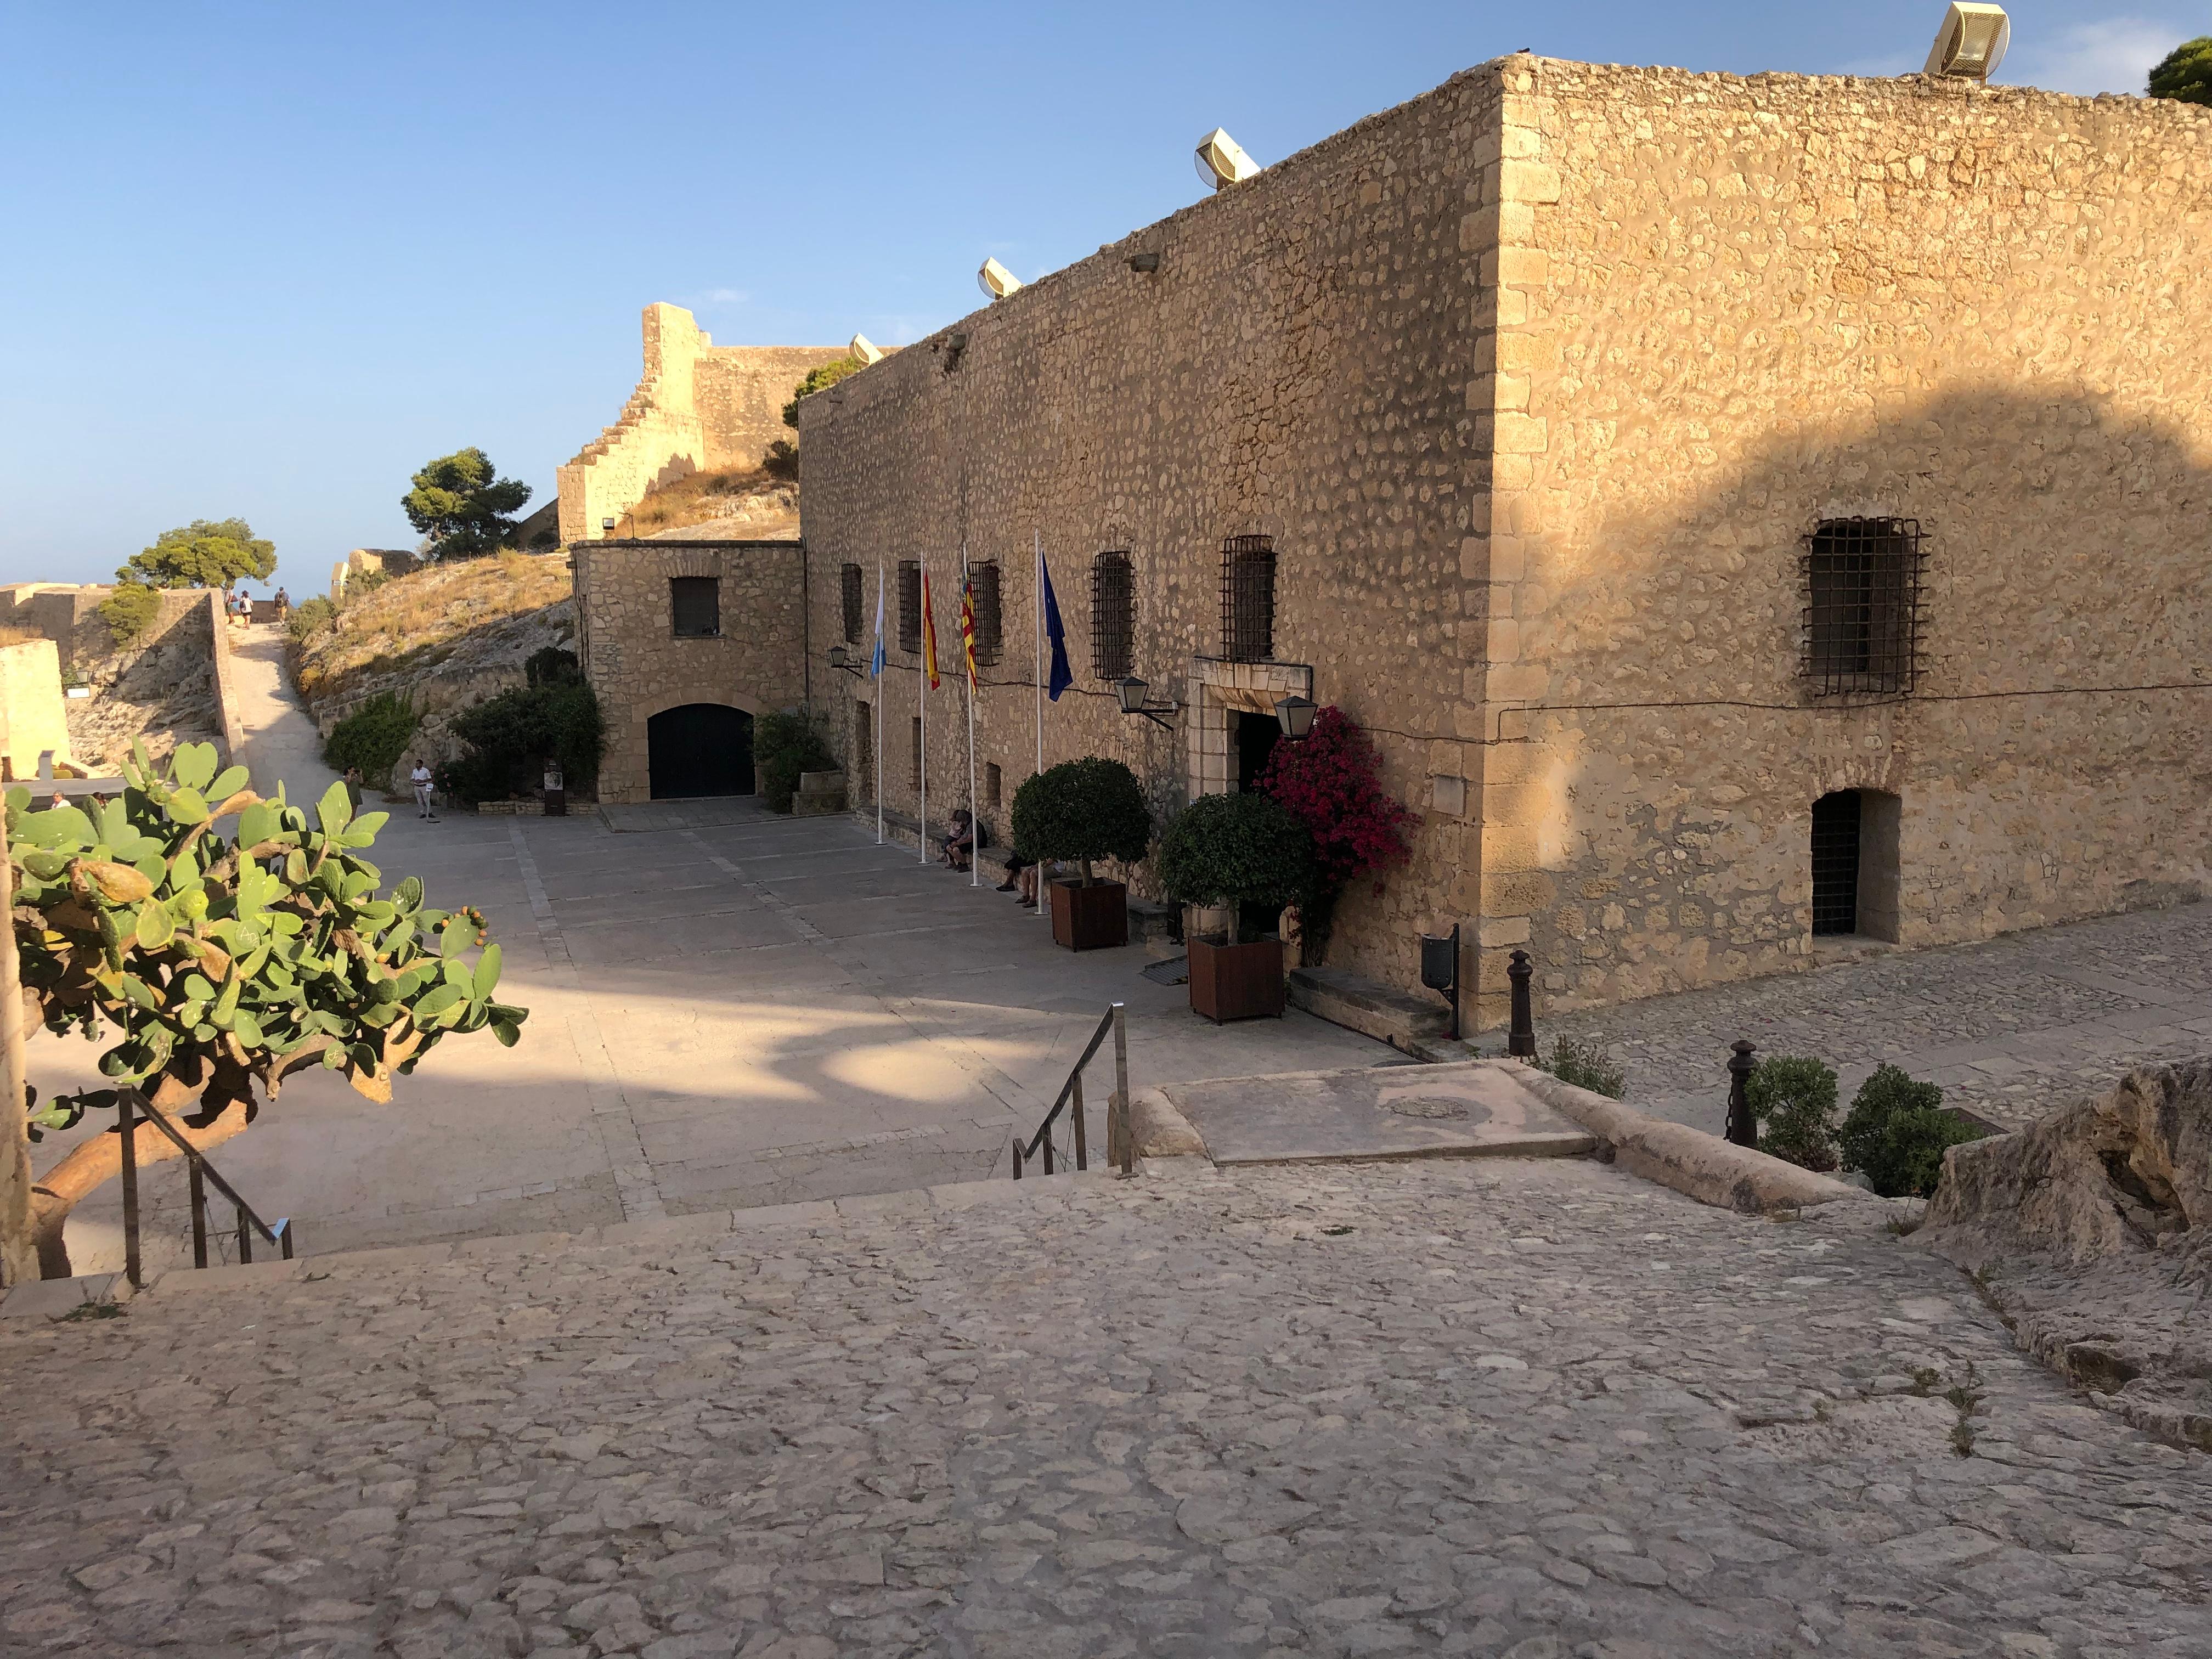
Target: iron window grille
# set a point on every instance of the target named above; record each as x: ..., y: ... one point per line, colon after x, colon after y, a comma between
x: 1862, y: 595
x: 1836, y: 862
x: 1247, y: 599
x: 849, y: 586
x: 695, y: 605
x: 909, y: 604
x: 1112, y: 606
x: 990, y: 622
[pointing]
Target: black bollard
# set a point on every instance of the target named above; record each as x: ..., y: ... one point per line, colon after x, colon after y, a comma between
x: 1742, y: 1129
x: 1522, y: 1042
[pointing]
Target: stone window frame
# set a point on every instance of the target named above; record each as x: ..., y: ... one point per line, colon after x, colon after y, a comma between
x: 909, y: 601
x: 1113, y: 615
x: 709, y: 589
x: 1861, y: 588
x: 853, y: 600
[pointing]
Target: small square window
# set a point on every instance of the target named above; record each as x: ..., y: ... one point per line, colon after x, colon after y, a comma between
x: 1861, y: 630
x: 696, y: 603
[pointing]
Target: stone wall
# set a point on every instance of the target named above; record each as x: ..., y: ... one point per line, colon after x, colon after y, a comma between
x: 1297, y: 367
x: 1540, y: 382
x: 165, y: 686
x: 635, y: 661
x: 697, y: 407
x: 1727, y: 309
x: 32, y: 723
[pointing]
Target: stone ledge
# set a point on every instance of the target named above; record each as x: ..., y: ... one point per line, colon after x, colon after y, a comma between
x: 1360, y: 1004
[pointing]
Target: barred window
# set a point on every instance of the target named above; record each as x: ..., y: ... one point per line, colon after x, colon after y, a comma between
x: 1862, y: 586
x: 849, y: 586
x: 909, y: 604
x: 1247, y: 599
x: 694, y: 605
x: 1113, y: 605
x: 990, y: 635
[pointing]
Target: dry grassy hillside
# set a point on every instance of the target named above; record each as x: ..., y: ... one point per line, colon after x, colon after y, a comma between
x: 740, y: 507
x: 443, y: 637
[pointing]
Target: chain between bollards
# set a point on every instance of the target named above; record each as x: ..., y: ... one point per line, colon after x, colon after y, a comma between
x: 1742, y: 1128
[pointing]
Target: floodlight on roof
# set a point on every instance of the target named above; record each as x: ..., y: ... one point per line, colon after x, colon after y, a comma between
x: 1972, y: 42
x: 866, y: 349
x: 1222, y: 160
x: 995, y: 280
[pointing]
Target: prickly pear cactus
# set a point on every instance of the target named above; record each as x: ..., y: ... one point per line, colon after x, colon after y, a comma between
x: 212, y: 958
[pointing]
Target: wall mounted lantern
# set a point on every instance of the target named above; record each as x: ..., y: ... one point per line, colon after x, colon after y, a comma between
x: 841, y: 658
x: 1295, y: 715
x: 1130, y: 691
x: 607, y: 526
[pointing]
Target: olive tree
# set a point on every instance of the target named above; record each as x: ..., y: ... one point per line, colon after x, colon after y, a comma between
x: 217, y: 965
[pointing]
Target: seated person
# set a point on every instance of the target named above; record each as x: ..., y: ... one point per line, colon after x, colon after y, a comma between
x: 960, y: 845
x: 1015, y: 864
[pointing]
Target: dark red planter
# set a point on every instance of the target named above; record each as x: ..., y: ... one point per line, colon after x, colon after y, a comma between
x: 1093, y: 918
x: 1237, y: 982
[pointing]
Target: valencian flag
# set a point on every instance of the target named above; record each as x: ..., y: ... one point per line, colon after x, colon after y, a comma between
x: 928, y: 633
x: 968, y: 632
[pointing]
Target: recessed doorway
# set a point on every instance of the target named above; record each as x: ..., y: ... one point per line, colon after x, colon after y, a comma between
x: 699, y: 749
x: 1855, y: 834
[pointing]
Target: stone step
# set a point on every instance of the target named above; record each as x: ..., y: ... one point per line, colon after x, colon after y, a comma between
x: 1397, y: 1018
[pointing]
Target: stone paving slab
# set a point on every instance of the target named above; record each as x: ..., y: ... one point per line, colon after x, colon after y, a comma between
x: 1493, y: 1408
x: 2012, y: 1027
x: 1413, y: 1111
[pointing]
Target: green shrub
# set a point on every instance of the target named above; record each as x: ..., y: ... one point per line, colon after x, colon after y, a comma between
x: 786, y: 744
x: 1897, y: 1132
x: 509, y: 738
x: 1793, y: 1099
x: 1082, y: 809
x: 1586, y: 1065
x: 130, y: 611
x: 309, y: 618
x: 373, y: 737
x: 2185, y: 73
x: 1244, y: 850
x: 552, y: 665
x: 782, y: 460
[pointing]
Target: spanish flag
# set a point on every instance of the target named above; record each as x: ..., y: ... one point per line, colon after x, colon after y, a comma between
x: 928, y: 632
x: 968, y: 632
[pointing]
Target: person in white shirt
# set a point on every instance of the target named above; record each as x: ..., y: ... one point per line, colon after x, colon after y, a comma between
x: 420, y: 777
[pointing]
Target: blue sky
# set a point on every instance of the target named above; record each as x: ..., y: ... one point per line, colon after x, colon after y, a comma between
x: 268, y: 259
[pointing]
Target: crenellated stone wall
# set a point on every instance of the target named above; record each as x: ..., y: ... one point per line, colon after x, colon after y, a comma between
x: 1540, y: 382
x: 698, y: 407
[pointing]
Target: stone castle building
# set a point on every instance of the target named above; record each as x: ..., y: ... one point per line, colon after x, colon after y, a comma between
x: 1743, y: 511
x: 698, y: 407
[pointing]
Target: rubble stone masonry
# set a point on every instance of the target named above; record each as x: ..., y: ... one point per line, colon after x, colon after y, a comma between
x: 1540, y: 383
x: 630, y: 652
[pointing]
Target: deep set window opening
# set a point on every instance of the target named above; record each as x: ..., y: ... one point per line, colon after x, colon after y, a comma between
x: 694, y: 605
x: 1113, y: 615
x: 1247, y: 599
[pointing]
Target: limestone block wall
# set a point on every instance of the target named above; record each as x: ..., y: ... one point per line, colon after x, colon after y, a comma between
x: 1729, y: 308
x: 1297, y: 367
x: 32, y: 722
x: 630, y: 654
x: 697, y: 405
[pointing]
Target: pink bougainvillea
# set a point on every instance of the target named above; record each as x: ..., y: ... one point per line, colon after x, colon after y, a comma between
x: 1331, y: 782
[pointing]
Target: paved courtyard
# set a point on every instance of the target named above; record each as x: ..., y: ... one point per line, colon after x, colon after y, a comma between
x: 2010, y: 1027
x: 756, y: 1011
x: 1534, y: 1409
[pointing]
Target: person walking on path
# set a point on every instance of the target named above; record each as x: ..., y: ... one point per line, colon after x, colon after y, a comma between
x: 420, y: 777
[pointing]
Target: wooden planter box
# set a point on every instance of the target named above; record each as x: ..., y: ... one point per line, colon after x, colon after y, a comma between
x: 1093, y: 918
x: 1237, y: 982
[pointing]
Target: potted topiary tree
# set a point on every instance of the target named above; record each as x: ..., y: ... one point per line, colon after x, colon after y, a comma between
x: 1080, y: 812
x: 1247, y: 853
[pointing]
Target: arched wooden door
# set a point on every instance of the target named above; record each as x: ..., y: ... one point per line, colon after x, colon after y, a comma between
x: 700, y: 749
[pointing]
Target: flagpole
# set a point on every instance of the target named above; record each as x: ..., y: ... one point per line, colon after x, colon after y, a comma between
x: 876, y: 674
x: 922, y: 701
x: 1044, y: 905
x: 968, y: 667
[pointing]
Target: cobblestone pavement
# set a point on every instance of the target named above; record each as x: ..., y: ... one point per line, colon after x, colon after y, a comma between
x: 2011, y: 1027
x: 1527, y: 1409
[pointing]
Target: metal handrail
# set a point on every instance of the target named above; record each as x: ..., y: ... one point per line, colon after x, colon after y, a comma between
x: 1120, y: 1144
x: 129, y: 1101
